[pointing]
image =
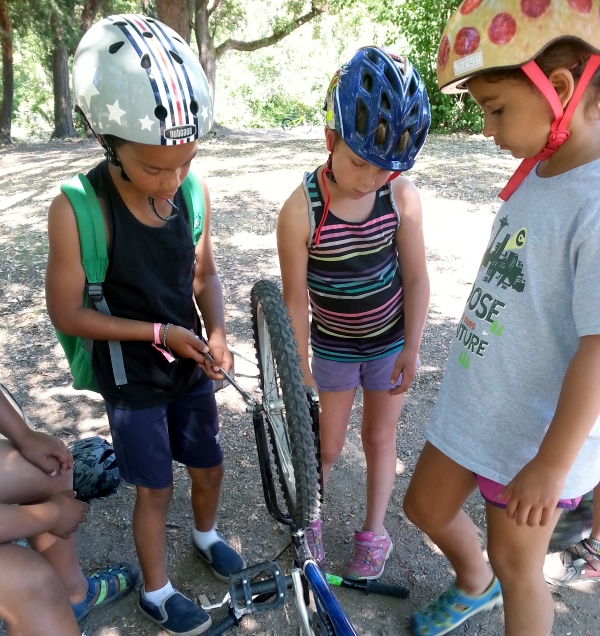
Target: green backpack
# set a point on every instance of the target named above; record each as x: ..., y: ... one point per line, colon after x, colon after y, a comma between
x: 94, y: 258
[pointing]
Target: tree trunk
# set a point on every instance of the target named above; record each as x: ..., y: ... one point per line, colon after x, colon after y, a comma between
x: 63, y: 114
x: 178, y: 15
x: 210, y: 54
x: 7, y: 75
x: 206, y: 44
x: 88, y: 13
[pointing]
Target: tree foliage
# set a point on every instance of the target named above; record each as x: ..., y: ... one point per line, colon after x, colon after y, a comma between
x: 220, y: 25
x: 420, y: 24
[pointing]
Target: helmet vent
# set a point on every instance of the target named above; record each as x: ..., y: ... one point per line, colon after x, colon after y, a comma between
x: 367, y: 82
x: 362, y: 118
x: 370, y: 54
x: 391, y: 78
x: 176, y: 57
x: 194, y: 107
x: 382, y: 134
x: 120, y: 23
x: 160, y: 113
x: 402, y: 144
x: 178, y: 40
x: 413, y: 87
x: 385, y: 102
x: 147, y: 34
x: 113, y: 48
x: 145, y: 61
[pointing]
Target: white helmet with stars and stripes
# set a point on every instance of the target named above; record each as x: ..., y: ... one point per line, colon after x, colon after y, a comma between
x: 136, y: 78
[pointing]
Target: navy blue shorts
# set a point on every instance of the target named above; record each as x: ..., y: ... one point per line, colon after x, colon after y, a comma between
x: 147, y: 441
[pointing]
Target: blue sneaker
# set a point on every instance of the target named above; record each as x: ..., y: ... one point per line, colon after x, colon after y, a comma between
x: 452, y: 608
x: 177, y: 615
x: 221, y: 558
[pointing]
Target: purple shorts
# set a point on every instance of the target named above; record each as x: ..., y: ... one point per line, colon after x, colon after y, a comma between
x: 147, y: 441
x: 491, y: 491
x: 373, y: 375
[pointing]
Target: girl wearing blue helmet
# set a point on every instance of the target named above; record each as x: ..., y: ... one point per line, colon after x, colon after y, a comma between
x: 352, y: 234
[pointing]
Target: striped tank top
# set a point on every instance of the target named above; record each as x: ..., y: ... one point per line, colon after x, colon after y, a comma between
x: 354, y: 281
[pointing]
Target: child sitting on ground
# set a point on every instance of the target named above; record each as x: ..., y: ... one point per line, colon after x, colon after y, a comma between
x: 43, y: 591
x: 579, y: 564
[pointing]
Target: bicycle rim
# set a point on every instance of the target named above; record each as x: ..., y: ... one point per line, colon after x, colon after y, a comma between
x: 285, y: 404
x: 287, y: 123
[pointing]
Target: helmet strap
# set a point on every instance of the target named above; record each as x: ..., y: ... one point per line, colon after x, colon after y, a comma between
x: 329, y: 169
x: 174, y: 215
x: 326, y: 197
x: 559, y: 131
x: 109, y: 153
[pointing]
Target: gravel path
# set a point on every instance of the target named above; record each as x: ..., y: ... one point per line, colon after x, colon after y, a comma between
x: 249, y: 175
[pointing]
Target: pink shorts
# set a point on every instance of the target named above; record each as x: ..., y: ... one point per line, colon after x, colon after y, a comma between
x: 491, y: 491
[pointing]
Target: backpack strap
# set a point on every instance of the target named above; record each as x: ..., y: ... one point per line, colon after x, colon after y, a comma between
x: 193, y: 195
x: 94, y: 257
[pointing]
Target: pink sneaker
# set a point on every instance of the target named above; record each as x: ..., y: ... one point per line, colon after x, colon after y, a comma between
x: 314, y: 538
x: 369, y: 556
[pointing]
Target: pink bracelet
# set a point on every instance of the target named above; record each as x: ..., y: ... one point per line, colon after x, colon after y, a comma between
x: 157, y: 343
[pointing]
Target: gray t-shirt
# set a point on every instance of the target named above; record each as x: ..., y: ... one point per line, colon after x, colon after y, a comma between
x: 536, y: 294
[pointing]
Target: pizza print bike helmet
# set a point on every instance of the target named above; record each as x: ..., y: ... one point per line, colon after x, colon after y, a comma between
x: 488, y: 35
x: 383, y: 89
x: 136, y: 78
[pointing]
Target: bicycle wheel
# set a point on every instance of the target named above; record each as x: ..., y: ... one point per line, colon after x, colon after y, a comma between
x: 285, y: 404
x: 288, y: 123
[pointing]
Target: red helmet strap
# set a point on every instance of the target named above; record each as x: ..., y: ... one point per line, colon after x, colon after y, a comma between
x: 559, y: 132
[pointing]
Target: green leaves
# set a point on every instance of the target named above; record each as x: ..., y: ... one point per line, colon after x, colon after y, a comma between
x: 420, y: 24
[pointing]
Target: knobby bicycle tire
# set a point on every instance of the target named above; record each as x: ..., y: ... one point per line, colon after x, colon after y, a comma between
x: 281, y: 381
x: 288, y: 123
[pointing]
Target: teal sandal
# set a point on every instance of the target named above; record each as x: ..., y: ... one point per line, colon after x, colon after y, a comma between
x: 105, y: 587
x: 452, y: 608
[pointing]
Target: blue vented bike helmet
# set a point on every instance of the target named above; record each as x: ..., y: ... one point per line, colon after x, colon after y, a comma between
x: 377, y: 87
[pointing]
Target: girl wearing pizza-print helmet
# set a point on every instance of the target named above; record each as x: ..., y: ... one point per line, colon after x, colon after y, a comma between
x: 145, y: 96
x: 352, y: 235
x: 518, y: 414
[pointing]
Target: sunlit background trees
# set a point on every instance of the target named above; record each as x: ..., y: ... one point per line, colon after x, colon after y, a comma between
x: 264, y: 59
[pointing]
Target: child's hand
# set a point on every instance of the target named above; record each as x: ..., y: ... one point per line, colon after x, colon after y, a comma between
x: 186, y: 344
x: 221, y: 358
x: 47, y: 452
x: 406, y: 364
x: 533, y: 494
x: 69, y: 513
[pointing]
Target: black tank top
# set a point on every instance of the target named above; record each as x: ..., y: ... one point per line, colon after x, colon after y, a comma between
x: 149, y: 278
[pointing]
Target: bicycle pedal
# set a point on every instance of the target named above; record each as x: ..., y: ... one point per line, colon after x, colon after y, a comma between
x: 248, y: 596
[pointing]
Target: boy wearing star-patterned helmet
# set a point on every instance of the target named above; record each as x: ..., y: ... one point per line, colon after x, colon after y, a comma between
x: 145, y: 96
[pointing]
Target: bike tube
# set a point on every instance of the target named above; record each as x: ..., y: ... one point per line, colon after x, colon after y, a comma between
x: 326, y: 601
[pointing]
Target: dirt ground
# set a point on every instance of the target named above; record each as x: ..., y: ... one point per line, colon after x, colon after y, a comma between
x: 249, y: 175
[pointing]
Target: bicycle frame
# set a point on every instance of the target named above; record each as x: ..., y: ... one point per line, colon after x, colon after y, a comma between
x: 325, y: 601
